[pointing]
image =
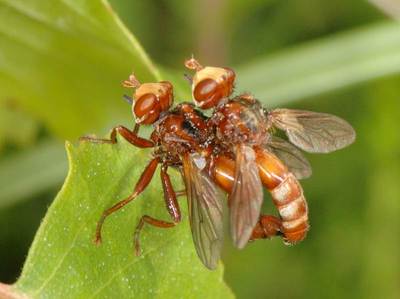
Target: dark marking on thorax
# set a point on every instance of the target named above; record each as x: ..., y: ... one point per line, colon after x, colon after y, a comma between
x: 190, y: 129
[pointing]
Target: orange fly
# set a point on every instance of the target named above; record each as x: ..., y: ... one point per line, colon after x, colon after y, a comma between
x: 250, y: 156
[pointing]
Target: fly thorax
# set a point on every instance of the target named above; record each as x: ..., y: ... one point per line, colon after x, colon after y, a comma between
x: 238, y: 122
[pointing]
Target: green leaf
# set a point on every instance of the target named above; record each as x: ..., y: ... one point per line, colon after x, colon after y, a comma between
x: 63, y: 61
x: 64, y: 262
x: 324, y: 65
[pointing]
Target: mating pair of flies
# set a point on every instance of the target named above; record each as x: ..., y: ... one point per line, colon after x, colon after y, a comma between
x: 233, y: 151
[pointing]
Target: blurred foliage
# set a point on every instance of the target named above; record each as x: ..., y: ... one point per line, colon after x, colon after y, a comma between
x: 19, y: 223
x: 324, y: 65
x: 27, y: 127
x: 64, y: 64
x: 65, y: 90
x: 32, y: 171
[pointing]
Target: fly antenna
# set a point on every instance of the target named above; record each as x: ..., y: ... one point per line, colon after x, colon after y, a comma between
x: 128, y: 99
x: 132, y: 82
x: 193, y: 64
x: 188, y: 78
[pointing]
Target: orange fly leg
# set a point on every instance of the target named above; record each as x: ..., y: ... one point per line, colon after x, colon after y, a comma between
x: 172, y: 207
x: 268, y: 226
x: 180, y: 193
x: 287, y: 195
x: 152, y: 221
x: 170, y: 196
x: 130, y: 136
x: 133, y: 138
x: 143, y: 182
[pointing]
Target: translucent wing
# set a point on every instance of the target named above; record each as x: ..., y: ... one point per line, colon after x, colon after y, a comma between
x: 205, y: 210
x: 291, y: 156
x: 313, y: 132
x: 246, y: 197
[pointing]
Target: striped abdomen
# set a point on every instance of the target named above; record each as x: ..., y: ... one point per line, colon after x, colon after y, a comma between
x: 287, y: 195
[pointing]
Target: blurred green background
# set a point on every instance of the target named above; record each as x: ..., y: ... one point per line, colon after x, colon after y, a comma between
x: 340, y: 57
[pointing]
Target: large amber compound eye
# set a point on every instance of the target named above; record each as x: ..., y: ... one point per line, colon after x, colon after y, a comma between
x: 144, y: 104
x: 205, y: 90
x: 150, y: 117
x: 146, y: 109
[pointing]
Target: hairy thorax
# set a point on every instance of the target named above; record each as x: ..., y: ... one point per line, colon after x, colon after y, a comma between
x: 183, y: 130
x: 237, y: 121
